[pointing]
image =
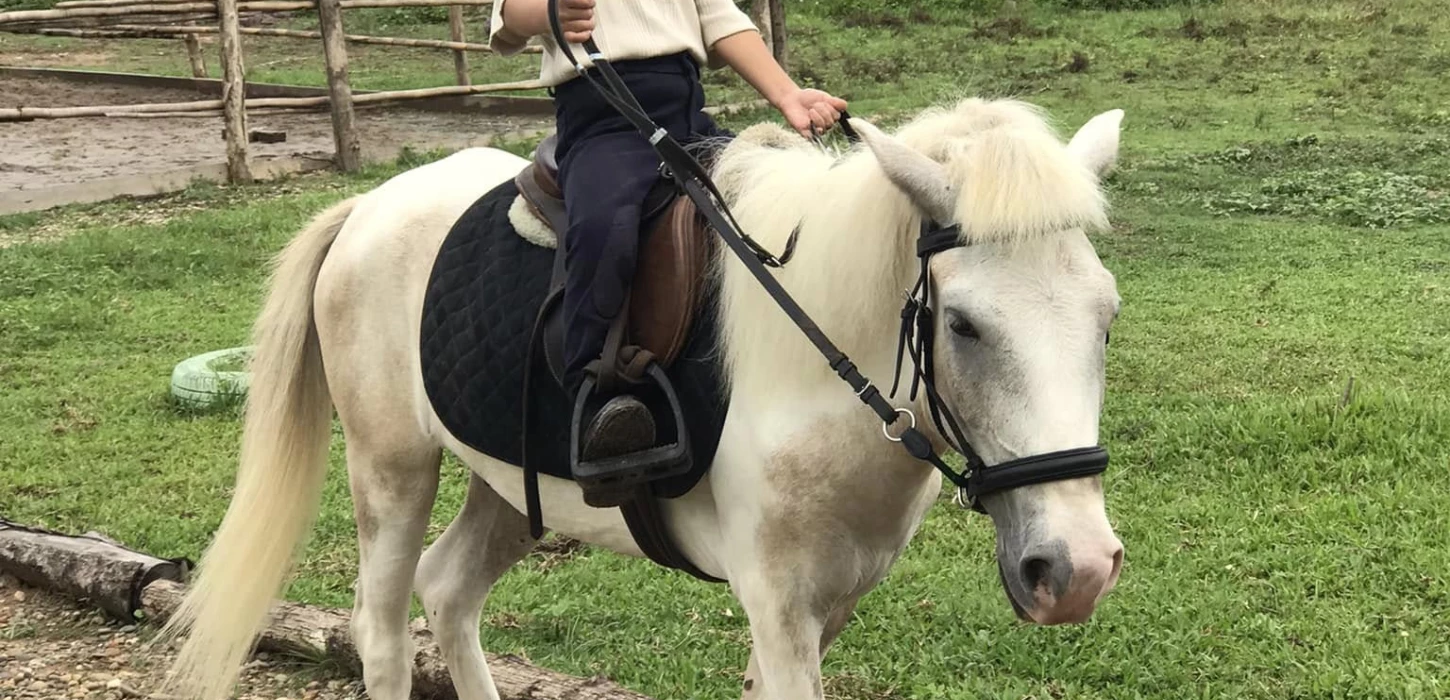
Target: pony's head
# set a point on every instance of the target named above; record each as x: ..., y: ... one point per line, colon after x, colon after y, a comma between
x: 1022, y: 312
x: 1022, y: 308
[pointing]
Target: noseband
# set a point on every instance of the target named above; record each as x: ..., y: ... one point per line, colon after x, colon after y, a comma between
x: 918, y: 331
x: 977, y: 480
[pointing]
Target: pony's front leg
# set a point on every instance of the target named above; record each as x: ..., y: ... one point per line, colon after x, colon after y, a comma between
x: 785, y: 634
x: 754, y: 686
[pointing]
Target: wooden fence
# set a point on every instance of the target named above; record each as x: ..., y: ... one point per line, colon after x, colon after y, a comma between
x: 182, y: 19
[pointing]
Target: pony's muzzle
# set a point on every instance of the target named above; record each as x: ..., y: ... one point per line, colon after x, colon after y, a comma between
x: 1065, y: 585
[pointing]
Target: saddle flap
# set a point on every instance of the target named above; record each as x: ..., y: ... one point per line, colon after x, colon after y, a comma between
x: 667, y: 285
x: 544, y: 158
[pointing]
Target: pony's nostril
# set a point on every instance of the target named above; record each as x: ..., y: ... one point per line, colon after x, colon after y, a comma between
x: 1035, y: 571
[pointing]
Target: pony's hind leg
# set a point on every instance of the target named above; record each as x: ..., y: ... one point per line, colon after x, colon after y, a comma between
x: 393, y: 488
x: 456, y: 574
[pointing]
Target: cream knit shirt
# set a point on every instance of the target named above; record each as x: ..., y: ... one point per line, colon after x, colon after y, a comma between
x: 631, y: 29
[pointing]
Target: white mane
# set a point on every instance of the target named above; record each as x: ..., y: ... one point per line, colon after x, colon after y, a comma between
x: 1014, y: 179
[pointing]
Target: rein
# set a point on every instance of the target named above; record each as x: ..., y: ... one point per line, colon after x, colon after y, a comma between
x: 973, y: 483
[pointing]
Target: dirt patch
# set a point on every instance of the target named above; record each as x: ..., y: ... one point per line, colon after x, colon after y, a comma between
x: 1009, y: 30
x: 53, y: 648
x: 52, y: 152
x: 57, y: 59
x: 555, y: 550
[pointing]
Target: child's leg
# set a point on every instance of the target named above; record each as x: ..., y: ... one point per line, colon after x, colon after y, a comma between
x: 605, y: 181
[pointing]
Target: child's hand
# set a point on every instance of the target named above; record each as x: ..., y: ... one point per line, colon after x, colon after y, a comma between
x: 803, y: 109
x: 576, y: 17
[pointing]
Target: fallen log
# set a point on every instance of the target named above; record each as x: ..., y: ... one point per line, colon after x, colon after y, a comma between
x: 27, y: 113
x: 88, y: 566
x: 316, y: 633
x: 124, y: 582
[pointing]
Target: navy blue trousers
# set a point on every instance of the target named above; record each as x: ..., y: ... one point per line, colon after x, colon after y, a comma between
x: 606, y: 169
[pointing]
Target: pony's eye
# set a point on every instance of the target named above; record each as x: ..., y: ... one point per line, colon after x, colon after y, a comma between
x: 964, y: 328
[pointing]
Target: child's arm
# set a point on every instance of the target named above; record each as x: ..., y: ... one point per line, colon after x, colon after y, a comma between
x: 747, y: 54
x: 518, y: 20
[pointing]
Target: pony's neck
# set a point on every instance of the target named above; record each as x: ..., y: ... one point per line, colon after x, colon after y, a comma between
x: 853, y: 261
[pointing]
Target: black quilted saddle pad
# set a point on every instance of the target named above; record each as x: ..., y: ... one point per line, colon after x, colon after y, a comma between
x: 484, y: 292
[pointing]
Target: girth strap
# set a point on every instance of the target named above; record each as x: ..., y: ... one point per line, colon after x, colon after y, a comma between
x: 647, y: 525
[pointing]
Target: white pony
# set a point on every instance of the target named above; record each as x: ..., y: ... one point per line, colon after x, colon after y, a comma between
x: 805, y: 507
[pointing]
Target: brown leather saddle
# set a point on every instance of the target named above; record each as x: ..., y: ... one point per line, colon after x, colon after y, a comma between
x: 674, y: 256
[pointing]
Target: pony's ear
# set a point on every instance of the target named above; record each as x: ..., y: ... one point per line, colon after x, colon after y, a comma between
x: 1096, y: 143
x: 924, y: 180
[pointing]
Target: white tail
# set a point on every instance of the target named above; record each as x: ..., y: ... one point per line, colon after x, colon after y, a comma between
x: 279, y: 483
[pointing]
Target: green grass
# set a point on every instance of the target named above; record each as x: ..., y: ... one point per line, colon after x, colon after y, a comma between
x: 1280, y: 229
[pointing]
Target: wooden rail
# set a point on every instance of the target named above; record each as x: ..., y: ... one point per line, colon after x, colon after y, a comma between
x: 153, y: 7
x: 148, y: 31
x: 372, y: 98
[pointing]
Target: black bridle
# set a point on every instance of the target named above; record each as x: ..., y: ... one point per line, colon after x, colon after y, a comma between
x: 917, y: 329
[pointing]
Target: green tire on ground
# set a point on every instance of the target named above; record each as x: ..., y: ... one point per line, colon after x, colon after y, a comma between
x: 212, y: 378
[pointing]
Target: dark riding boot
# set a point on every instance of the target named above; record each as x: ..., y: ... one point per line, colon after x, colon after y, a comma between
x: 622, y: 426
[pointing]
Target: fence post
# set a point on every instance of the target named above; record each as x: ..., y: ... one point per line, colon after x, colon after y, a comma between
x: 455, y: 33
x: 777, y: 32
x: 334, y: 49
x: 234, y: 92
x: 193, y: 53
x: 760, y: 15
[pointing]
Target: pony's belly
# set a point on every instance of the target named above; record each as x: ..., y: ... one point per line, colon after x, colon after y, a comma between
x: 563, y: 503
x: 692, y: 517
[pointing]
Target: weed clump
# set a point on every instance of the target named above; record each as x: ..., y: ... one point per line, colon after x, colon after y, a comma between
x: 1368, y: 199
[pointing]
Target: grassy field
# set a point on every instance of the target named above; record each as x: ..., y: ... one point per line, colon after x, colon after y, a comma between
x: 1282, y: 226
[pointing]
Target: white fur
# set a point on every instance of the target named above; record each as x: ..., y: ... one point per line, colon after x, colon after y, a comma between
x: 1096, y: 144
x: 805, y: 507
x: 529, y: 227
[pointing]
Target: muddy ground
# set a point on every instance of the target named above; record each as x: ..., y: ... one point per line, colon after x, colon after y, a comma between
x: 52, y: 648
x: 50, y: 152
